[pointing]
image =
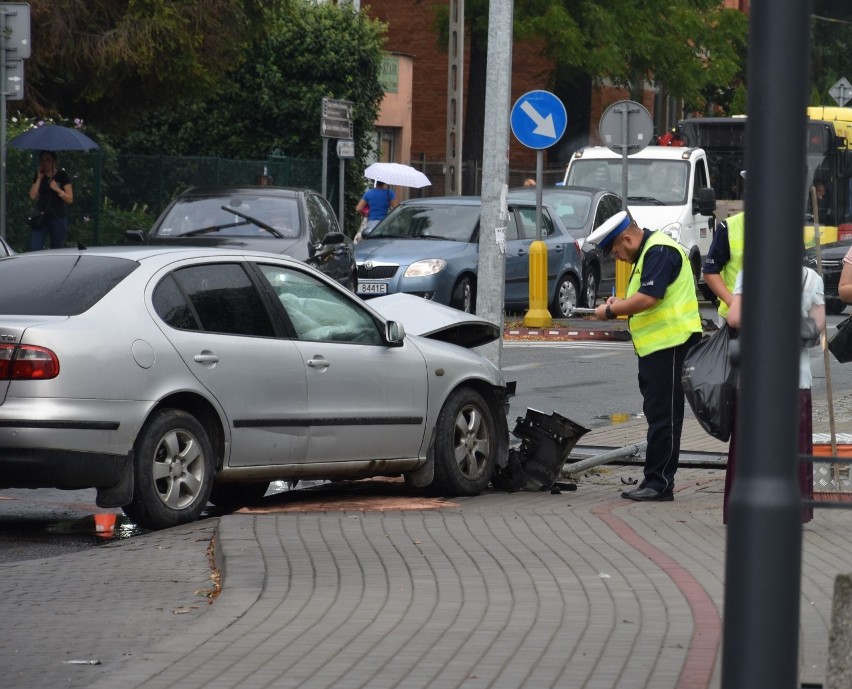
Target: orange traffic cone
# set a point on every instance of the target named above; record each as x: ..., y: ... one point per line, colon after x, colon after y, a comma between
x: 104, y: 523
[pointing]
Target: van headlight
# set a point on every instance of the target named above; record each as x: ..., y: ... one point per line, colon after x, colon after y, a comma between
x: 673, y: 230
x: 425, y: 268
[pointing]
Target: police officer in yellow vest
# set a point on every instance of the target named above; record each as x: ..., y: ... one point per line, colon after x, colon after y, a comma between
x: 664, y: 323
x: 724, y: 260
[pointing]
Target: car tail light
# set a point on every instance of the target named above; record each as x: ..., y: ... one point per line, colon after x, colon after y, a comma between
x: 27, y: 362
x: 844, y: 231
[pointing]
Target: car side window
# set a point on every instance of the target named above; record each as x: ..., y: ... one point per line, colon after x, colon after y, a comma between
x: 321, y: 219
x: 607, y: 207
x: 223, y: 297
x: 527, y: 215
x: 512, y: 226
x: 318, y: 312
x: 171, y: 305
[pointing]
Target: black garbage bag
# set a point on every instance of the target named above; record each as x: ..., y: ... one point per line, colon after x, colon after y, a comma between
x: 709, y: 383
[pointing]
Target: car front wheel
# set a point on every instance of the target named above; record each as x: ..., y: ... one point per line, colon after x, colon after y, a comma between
x: 464, y: 295
x: 466, y: 444
x: 565, y: 299
x: 173, y: 471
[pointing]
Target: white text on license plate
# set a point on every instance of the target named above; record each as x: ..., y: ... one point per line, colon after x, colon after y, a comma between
x: 372, y: 288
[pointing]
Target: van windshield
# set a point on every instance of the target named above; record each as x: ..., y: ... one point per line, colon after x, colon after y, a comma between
x: 651, y: 182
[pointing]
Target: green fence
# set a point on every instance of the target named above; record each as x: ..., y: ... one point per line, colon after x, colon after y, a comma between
x: 114, y: 193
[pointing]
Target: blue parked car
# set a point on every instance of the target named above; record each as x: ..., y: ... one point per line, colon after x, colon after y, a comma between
x: 430, y: 248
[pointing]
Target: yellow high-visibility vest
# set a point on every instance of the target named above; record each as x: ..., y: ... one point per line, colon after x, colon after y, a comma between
x: 672, y: 320
x: 736, y: 242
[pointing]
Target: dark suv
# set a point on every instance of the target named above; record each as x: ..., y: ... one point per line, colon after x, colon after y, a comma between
x: 296, y: 222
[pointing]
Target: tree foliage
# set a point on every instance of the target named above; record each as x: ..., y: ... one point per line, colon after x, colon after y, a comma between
x: 108, y: 60
x: 689, y: 48
x: 273, y: 100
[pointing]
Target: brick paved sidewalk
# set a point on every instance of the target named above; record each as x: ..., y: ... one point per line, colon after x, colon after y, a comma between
x: 580, y: 589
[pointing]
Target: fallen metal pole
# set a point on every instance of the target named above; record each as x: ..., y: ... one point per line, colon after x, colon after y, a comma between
x: 604, y: 458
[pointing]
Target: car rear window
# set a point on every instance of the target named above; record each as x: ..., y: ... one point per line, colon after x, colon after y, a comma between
x: 423, y: 221
x: 58, y: 285
x: 231, y: 216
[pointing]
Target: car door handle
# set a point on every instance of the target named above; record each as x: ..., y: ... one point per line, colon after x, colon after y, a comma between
x: 521, y: 252
x: 206, y: 358
x: 319, y: 362
x: 558, y: 248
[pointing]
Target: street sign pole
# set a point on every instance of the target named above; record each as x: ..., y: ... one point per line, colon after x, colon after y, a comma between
x: 335, y: 123
x: 3, y: 27
x: 538, y: 121
x: 345, y: 151
x: 14, y: 38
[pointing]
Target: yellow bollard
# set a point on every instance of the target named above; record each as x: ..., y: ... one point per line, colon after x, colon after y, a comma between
x: 622, y: 277
x: 538, y: 316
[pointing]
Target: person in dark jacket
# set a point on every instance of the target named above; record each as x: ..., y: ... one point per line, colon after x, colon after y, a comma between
x: 51, y: 190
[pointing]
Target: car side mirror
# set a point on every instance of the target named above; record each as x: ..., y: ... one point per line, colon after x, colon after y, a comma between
x: 134, y: 236
x: 394, y: 333
x: 705, y: 204
x: 333, y: 238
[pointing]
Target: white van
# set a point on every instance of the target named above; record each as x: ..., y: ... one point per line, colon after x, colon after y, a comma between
x: 668, y: 189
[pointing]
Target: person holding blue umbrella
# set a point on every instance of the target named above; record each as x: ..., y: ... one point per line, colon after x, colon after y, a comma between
x: 52, y: 192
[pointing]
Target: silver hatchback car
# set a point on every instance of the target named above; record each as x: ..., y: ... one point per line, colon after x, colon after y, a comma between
x: 165, y: 377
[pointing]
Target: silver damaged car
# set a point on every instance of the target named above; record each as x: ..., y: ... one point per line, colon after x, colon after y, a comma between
x: 167, y: 377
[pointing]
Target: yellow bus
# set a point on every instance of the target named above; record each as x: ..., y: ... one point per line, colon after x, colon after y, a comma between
x: 829, y: 160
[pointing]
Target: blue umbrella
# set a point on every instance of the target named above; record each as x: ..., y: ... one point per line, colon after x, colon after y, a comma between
x: 52, y: 137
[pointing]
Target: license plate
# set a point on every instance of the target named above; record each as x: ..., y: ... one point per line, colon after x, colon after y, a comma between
x: 372, y: 288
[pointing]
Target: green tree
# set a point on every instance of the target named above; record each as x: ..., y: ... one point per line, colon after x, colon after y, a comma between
x: 109, y: 60
x: 272, y: 101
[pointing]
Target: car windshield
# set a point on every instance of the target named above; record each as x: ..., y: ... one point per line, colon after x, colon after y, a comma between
x: 58, y: 285
x: 237, y: 216
x: 456, y: 223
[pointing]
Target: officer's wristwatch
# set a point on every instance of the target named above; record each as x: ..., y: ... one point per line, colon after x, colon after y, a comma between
x: 609, y: 314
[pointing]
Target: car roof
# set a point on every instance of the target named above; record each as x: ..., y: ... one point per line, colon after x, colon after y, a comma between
x: 591, y: 191
x: 260, y: 190
x: 649, y: 152
x: 458, y: 200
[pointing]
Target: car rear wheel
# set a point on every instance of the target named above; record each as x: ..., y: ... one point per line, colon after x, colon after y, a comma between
x: 464, y: 295
x: 466, y: 444
x: 590, y: 288
x: 565, y: 299
x: 230, y: 496
x: 173, y: 471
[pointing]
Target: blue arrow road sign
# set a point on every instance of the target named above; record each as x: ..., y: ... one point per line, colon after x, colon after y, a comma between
x: 538, y: 119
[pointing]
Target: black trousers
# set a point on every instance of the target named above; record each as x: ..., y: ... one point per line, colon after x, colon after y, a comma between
x: 663, y: 401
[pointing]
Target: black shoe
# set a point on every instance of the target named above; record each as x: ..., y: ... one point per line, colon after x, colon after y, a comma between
x: 646, y: 493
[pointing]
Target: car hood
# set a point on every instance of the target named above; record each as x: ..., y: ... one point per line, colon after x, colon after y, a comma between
x: 833, y: 251
x: 436, y: 321
x: 292, y: 246
x: 406, y: 251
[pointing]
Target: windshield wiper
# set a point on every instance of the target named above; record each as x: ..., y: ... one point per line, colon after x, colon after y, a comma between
x: 259, y: 223
x: 435, y: 236
x: 213, y: 228
x: 649, y: 199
